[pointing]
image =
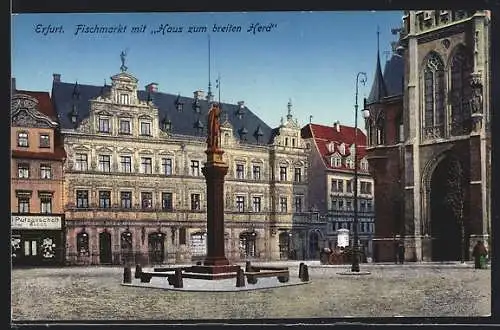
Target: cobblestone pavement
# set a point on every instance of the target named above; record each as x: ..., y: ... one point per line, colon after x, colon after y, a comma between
x: 95, y: 293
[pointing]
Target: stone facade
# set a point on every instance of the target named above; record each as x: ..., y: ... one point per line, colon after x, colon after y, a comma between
x: 429, y: 146
x: 135, y: 192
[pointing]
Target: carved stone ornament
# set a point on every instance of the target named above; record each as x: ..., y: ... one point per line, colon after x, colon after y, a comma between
x: 24, y: 110
x: 84, y: 126
x: 476, y: 101
x: 23, y: 119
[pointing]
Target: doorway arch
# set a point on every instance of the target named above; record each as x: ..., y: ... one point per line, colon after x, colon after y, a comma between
x: 446, y: 201
x: 248, y: 246
x: 156, y: 247
x: 314, y: 248
x: 105, y: 256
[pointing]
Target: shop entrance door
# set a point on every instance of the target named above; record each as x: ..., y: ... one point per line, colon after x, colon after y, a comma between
x: 30, y: 251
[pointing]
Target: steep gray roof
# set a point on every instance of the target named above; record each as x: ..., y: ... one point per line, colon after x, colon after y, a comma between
x: 184, y: 122
x: 379, y: 90
x: 394, y: 74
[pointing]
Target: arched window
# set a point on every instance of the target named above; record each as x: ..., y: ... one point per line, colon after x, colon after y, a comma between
x: 434, y: 97
x: 126, y: 246
x: 460, y: 93
x: 82, y: 243
x: 380, y: 130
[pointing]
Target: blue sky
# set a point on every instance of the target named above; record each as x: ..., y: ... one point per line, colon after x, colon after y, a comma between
x: 311, y: 58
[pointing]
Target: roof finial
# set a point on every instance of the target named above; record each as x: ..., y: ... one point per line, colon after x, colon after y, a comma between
x: 378, y: 39
x: 289, y: 106
x: 310, y: 119
x: 123, y: 54
x: 209, y: 94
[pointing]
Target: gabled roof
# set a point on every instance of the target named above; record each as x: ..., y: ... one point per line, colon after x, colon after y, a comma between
x: 323, y: 135
x: 45, y: 106
x: 183, y: 122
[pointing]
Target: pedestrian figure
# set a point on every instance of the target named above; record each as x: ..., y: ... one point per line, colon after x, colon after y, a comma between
x: 479, y: 253
x: 400, y: 250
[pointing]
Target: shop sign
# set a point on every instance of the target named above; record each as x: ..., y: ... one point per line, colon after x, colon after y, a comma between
x: 36, y: 222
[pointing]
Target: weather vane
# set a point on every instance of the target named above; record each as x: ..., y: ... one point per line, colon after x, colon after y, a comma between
x: 123, y: 54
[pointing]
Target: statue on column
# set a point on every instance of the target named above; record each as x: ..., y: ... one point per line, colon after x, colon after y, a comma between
x: 476, y: 102
x: 213, y: 139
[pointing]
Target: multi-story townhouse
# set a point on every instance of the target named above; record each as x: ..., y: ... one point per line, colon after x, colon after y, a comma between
x: 37, y: 157
x: 331, y: 184
x: 134, y: 188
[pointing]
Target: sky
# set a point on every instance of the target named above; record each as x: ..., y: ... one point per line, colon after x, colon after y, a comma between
x: 310, y: 58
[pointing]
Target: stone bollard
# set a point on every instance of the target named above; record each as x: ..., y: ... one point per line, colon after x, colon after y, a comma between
x: 240, y: 278
x: 138, y: 271
x: 305, y: 274
x: 178, y: 278
x: 248, y: 267
x: 301, y: 270
x: 127, y: 275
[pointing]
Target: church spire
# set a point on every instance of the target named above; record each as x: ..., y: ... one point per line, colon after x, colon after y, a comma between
x: 379, y: 90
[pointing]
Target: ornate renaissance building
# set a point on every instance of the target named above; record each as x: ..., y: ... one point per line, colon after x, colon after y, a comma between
x: 37, y: 158
x: 429, y: 137
x: 331, y: 184
x: 134, y: 189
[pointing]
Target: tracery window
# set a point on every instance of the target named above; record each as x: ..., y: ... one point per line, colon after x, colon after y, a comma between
x: 434, y: 97
x: 460, y: 93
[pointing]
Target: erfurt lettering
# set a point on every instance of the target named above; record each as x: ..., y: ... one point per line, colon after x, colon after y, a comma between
x: 46, y: 29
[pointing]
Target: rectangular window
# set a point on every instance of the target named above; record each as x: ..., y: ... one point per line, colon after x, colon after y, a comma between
x: 256, y: 204
x: 334, y: 204
x: 240, y: 203
x: 147, y: 200
x: 126, y: 164
x: 44, y: 141
x: 349, y: 186
x: 195, y: 202
x: 22, y: 139
x: 362, y: 206
x: 147, y: 165
x: 348, y: 205
x: 298, y: 174
x: 46, y: 203
x: 126, y: 199
x: 256, y: 172
x: 105, y: 163
x: 105, y: 199
x: 23, y: 204
x: 23, y: 171
x: 104, y: 125
x: 45, y: 171
x: 145, y: 128
x: 340, y: 204
x: 125, y: 127
x: 369, y: 206
x: 298, y: 204
x: 283, y: 206
x: 166, y: 201
x: 124, y: 99
x: 166, y: 164
x: 282, y: 173
x: 240, y: 171
x: 81, y: 162
x: 195, y: 168
x: 337, y: 185
x: 82, y: 198
x: 366, y: 187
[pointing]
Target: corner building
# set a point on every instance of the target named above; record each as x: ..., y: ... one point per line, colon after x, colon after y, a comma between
x: 429, y: 137
x: 134, y: 189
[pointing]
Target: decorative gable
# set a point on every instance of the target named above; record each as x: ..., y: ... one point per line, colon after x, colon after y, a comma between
x: 24, y: 111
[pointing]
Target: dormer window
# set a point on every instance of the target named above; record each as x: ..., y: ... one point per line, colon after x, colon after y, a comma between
x: 342, y: 149
x: 364, y: 165
x: 104, y: 126
x: 179, y: 105
x: 349, y: 162
x: 124, y: 99
x: 331, y: 147
x: 336, y: 161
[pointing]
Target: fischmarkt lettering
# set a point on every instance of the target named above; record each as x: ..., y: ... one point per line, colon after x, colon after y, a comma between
x: 36, y: 222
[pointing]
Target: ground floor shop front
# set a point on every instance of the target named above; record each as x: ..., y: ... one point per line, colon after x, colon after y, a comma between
x: 37, y: 240
x: 146, y: 243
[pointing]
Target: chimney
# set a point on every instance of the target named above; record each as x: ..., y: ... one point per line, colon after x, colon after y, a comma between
x: 198, y: 94
x: 337, y: 125
x: 152, y: 87
x: 13, y: 84
x: 56, y: 77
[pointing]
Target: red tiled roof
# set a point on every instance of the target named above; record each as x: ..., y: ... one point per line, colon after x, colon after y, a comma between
x: 324, y: 135
x: 45, y: 105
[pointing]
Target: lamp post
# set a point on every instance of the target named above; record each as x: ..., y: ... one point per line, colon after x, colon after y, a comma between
x: 360, y: 77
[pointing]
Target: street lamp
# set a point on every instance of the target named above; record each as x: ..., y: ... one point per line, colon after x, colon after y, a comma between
x: 360, y: 77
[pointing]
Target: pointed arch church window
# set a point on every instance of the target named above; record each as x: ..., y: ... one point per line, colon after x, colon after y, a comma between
x: 460, y: 93
x: 434, y: 88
